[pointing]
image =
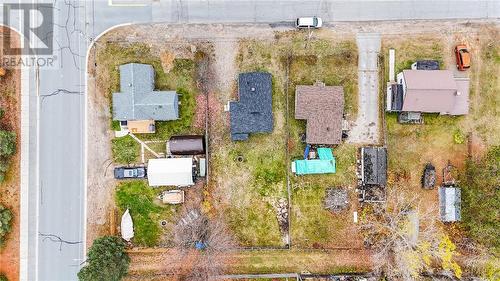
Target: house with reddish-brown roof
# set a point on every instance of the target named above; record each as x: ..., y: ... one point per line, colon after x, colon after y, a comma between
x: 322, y: 107
x: 429, y: 91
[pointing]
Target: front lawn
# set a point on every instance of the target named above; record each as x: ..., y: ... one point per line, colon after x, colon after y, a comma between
x: 125, y: 150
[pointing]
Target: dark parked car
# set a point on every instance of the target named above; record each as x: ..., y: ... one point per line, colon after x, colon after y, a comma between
x: 425, y: 65
x: 130, y: 172
x: 429, y: 176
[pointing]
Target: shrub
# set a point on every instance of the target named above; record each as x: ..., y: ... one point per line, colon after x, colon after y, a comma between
x: 458, y: 137
x: 5, y: 223
x: 125, y: 150
x: 3, y: 277
x: 7, y: 149
x: 106, y: 261
x: 115, y: 125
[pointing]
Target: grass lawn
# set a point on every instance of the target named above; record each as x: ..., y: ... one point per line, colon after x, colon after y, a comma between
x: 286, y: 261
x: 181, y: 78
x: 312, y: 225
x: 125, y: 150
x: 146, y: 212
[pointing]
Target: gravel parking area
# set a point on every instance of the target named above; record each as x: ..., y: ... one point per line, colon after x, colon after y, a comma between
x: 366, y: 127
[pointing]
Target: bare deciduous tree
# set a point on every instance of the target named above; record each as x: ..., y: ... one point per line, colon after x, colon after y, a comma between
x: 405, y: 239
x: 202, y: 244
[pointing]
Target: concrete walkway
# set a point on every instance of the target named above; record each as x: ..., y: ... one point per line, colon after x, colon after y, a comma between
x: 366, y: 127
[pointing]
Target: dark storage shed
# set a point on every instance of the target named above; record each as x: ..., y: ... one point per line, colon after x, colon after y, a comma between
x: 186, y: 145
x: 374, y: 165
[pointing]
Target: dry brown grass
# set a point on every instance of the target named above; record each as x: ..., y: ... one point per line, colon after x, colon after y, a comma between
x: 9, y: 189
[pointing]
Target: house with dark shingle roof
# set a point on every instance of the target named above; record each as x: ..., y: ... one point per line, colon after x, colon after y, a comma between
x: 137, y: 99
x: 253, y: 113
x: 322, y: 107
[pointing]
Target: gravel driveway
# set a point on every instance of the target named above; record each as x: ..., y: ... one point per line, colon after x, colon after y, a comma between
x: 366, y: 127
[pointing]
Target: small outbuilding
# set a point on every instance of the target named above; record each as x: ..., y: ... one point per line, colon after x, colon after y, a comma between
x: 450, y: 203
x: 186, y: 145
x: 170, y: 172
x: 324, y: 165
x: 374, y: 165
x: 373, y: 172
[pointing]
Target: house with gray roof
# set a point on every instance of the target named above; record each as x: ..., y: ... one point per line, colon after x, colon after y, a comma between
x: 137, y: 99
x: 253, y: 113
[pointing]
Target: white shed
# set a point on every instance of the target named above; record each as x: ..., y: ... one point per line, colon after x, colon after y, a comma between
x: 170, y: 171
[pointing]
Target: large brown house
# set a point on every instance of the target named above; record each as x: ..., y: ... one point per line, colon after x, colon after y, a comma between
x: 322, y: 107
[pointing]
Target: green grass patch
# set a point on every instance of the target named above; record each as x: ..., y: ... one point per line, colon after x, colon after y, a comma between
x: 411, y: 146
x: 115, y: 125
x: 125, y: 150
x: 146, y: 214
x: 255, y: 183
x: 484, y: 102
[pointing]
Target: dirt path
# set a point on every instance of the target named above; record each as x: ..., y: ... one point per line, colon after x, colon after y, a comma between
x: 9, y: 189
x: 100, y: 190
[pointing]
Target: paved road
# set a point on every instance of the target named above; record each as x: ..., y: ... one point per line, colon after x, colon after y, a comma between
x: 53, y: 156
x: 366, y: 128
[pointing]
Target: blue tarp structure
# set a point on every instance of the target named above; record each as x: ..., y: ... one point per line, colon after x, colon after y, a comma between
x: 324, y: 165
x: 314, y: 166
x: 200, y: 245
x: 325, y: 153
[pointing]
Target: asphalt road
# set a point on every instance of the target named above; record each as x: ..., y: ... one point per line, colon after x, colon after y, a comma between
x: 54, y: 214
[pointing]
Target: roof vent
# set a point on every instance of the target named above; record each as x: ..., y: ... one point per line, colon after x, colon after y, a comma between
x: 252, y: 89
x: 130, y: 84
x: 458, y: 93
